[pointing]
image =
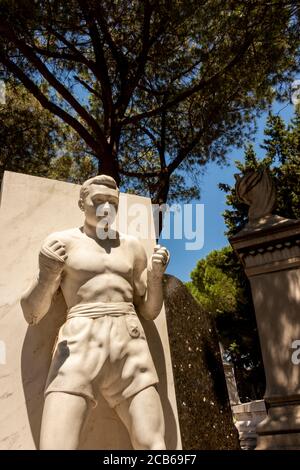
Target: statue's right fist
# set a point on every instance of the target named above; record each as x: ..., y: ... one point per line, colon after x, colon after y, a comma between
x: 52, y: 256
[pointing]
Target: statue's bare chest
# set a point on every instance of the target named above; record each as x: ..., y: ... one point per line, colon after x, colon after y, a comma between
x: 87, y: 256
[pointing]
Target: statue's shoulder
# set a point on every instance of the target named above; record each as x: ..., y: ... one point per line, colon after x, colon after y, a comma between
x: 130, y: 240
x: 134, y: 245
x: 64, y: 236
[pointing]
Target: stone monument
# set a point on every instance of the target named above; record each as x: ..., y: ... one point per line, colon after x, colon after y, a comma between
x: 269, y: 248
x: 102, y: 351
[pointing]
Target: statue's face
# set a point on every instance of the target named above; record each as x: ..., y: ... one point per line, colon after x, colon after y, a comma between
x: 100, y: 205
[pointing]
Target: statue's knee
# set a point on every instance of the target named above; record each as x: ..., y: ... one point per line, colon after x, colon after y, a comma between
x: 158, y: 445
x: 153, y: 441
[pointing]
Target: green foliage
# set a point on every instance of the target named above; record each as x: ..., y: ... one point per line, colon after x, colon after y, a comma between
x: 66, y: 168
x: 154, y: 89
x: 216, y: 290
x: 29, y: 134
x: 33, y: 141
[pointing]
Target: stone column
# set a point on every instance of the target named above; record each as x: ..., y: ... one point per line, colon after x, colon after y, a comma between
x: 233, y: 394
x: 269, y: 248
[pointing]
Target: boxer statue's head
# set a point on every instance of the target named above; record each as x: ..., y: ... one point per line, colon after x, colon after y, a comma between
x: 99, y: 200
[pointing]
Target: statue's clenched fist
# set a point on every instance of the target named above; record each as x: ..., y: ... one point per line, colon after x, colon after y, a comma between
x: 159, y: 261
x: 52, y: 257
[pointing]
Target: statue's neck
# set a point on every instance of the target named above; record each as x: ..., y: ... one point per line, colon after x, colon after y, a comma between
x: 90, y: 230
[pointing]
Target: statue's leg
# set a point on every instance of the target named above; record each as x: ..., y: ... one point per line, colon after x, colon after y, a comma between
x: 63, y: 417
x: 142, y: 414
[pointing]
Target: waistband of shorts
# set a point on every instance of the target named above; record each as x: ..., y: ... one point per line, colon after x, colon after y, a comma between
x: 100, y: 309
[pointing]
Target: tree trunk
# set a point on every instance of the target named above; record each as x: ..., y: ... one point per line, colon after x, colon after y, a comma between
x: 109, y: 166
x: 160, y: 197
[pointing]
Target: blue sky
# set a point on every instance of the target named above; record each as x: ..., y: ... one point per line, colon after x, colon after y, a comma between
x: 183, y: 261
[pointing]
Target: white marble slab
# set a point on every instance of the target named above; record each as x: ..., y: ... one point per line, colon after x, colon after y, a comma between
x: 31, y: 208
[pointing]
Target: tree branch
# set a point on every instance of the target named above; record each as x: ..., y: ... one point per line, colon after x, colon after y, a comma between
x: 88, y: 87
x: 150, y: 135
x: 100, y: 64
x: 52, y: 80
x: 55, y: 55
x: 184, y: 151
x: 52, y: 107
x: 80, y: 57
x: 136, y: 174
x: 128, y: 90
x: 146, y: 44
x: 121, y: 61
x: 190, y: 91
x: 70, y: 46
x: 162, y: 146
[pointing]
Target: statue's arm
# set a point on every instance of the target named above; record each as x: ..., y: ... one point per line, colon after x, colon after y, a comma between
x: 37, y: 300
x: 148, y: 288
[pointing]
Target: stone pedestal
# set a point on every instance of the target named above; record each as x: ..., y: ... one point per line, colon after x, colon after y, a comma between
x: 270, y: 252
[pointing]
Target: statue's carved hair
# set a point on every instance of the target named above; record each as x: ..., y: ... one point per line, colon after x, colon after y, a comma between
x: 104, y: 180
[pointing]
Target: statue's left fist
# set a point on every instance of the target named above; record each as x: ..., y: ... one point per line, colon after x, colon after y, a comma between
x: 159, y: 260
